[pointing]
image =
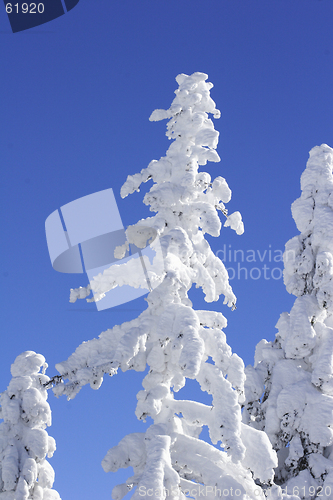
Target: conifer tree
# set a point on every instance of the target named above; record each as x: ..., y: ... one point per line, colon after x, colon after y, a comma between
x: 295, y: 372
x: 25, y: 474
x: 176, y: 341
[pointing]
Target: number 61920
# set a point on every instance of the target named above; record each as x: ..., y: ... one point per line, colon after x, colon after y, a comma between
x: 31, y: 8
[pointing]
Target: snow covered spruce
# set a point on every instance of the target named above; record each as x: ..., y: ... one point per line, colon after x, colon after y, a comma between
x: 25, y: 474
x: 176, y: 341
x: 296, y: 370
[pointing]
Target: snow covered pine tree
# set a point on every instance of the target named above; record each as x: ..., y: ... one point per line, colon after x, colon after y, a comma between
x: 25, y: 474
x: 296, y: 370
x: 176, y: 341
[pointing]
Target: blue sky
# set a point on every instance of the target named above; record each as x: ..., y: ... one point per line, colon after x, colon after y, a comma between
x: 76, y: 95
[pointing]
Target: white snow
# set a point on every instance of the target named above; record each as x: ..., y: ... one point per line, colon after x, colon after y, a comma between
x: 24, y: 443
